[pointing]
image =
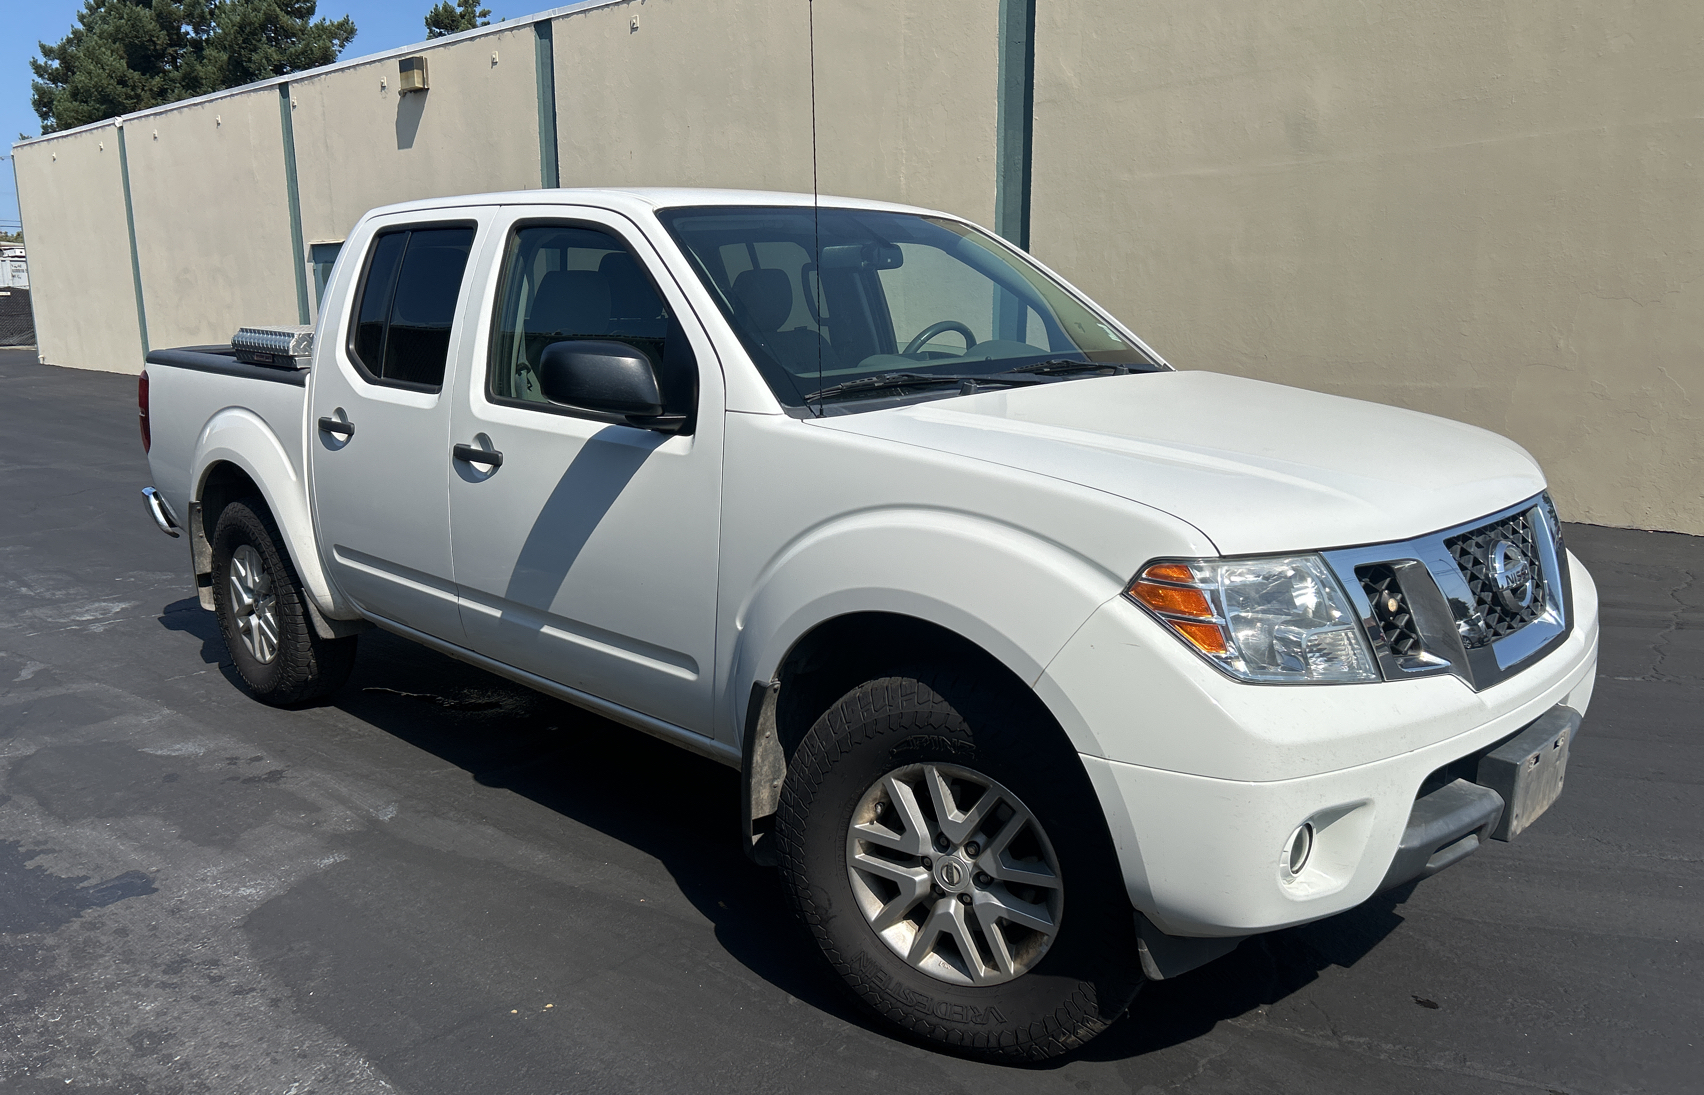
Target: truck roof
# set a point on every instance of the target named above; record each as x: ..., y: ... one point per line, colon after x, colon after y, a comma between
x: 630, y: 198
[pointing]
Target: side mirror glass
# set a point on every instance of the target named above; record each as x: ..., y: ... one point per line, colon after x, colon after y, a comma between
x: 606, y: 381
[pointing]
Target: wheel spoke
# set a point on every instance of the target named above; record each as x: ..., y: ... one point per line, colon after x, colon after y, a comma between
x: 956, y: 825
x: 941, y: 918
x: 266, y: 625
x: 988, y: 915
x: 893, y: 872
x: 1016, y: 875
x: 877, y: 833
x: 958, y: 926
x: 915, y: 840
x: 913, y: 885
x: 1022, y: 913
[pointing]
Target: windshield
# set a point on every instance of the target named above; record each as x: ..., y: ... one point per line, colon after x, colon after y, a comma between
x: 848, y: 305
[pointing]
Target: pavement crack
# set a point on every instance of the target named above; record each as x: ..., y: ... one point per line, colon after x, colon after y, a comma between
x: 1660, y: 645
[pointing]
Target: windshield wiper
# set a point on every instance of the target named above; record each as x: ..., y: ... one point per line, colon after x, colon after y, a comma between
x: 913, y: 380
x: 1059, y: 366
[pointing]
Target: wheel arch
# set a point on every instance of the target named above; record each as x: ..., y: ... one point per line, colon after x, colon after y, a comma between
x: 822, y: 665
x: 238, y: 454
x: 923, y: 579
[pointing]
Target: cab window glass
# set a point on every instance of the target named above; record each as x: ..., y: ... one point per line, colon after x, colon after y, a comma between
x: 408, y: 305
x: 564, y: 282
x: 832, y: 297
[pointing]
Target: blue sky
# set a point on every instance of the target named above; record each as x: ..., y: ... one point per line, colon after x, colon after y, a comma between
x: 378, y: 26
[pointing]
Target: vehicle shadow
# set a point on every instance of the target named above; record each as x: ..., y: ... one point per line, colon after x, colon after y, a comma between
x: 687, y: 818
x: 190, y: 618
x: 1262, y: 971
x: 677, y: 807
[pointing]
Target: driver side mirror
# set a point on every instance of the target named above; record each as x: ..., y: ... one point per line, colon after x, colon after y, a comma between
x: 606, y: 382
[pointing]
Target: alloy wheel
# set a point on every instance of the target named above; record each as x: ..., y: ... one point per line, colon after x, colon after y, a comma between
x: 254, y: 605
x: 955, y: 874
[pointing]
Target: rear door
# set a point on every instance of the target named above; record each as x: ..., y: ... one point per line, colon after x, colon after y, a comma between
x: 588, y: 556
x: 380, y: 421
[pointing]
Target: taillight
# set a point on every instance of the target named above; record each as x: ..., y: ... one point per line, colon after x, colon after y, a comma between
x: 142, y: 410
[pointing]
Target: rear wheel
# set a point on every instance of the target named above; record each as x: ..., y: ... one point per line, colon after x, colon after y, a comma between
x: 943, y: 846
x: 263, y: 613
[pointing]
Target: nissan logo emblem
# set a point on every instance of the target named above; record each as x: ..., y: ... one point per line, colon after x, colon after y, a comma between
x: 1511, y: 574
x: 950, y: 873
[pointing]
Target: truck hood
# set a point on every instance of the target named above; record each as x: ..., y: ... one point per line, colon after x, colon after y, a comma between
x: 1256, y: 467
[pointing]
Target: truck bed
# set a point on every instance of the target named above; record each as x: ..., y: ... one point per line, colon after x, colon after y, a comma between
x: 194, y: 389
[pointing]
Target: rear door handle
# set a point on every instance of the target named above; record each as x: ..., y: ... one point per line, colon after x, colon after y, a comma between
x: 343, y: 429
x: 470, y: 454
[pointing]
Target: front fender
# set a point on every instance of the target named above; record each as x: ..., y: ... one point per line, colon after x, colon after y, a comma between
x: 238, y: 436
x: 1016, y: 594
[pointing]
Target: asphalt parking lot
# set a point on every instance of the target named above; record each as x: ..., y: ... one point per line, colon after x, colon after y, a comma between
x: 440, y: 882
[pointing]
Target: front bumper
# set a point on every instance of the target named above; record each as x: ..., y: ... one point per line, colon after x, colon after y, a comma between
x: 1203, y: 780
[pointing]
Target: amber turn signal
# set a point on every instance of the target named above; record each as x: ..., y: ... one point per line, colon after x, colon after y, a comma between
x: 1173, y: 600
x: 1170, y: 591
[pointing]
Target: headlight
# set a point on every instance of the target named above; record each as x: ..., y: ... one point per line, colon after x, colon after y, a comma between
x: 1283, y: 619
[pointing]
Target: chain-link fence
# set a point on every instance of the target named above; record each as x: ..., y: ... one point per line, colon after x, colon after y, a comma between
x: 17, y: 326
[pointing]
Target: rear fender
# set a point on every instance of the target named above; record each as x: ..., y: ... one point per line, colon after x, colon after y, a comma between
x: 240, y: 437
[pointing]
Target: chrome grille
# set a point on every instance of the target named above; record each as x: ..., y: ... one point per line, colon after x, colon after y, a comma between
x: 1390, y: 609
x: 1451, y: 614
x: 1503, y: 601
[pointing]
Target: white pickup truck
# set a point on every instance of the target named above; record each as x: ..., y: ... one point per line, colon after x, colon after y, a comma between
x: 1048, y: 668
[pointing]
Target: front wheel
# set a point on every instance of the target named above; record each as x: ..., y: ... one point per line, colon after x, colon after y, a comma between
x: 263, y: 613
x: 944, y: 847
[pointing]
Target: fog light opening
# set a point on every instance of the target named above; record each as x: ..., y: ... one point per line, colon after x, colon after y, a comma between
x: 1297, y: 851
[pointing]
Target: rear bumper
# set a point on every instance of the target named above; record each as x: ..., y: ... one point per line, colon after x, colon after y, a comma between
x: 161, y: 511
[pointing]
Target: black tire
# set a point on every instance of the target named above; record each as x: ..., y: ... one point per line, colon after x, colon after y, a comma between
x: 305, y: 666
x: 970, y: 719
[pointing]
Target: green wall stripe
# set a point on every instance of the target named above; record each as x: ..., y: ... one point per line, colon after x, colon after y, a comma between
x: 544, y: 56
x: 130, y: 223
x: 1015, y: 121
x: 299, y: 259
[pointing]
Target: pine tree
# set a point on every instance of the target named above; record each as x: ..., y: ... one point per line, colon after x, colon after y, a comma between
x: 447, y: 18
x: 128, y: 55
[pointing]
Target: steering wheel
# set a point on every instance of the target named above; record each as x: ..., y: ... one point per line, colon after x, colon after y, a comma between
x: 941, y: 327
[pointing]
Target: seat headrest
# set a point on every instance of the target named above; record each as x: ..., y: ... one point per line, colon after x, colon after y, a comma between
x: 630, y: 294
x: 570, y: 302
x: 765, y: 298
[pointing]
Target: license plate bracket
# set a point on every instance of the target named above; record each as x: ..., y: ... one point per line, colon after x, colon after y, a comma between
x: 1528, y: 770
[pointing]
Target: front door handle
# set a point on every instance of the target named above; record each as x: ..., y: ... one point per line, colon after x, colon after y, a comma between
x: 472, y: 454
x: 338, y: 426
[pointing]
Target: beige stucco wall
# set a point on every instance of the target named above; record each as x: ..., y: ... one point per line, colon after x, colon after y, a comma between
x: 71, y: 195
x: 1493, y: 212
x: 720, y: 95
x: 359, y: 145
x: 212, y: 221
x: 699, y: 95
x: 906, y: 103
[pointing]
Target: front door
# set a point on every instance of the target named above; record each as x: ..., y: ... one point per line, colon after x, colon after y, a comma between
x: 380, y: 424
x: 588, y: 555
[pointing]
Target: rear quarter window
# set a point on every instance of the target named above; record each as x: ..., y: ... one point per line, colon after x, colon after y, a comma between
x: 409, y: 290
